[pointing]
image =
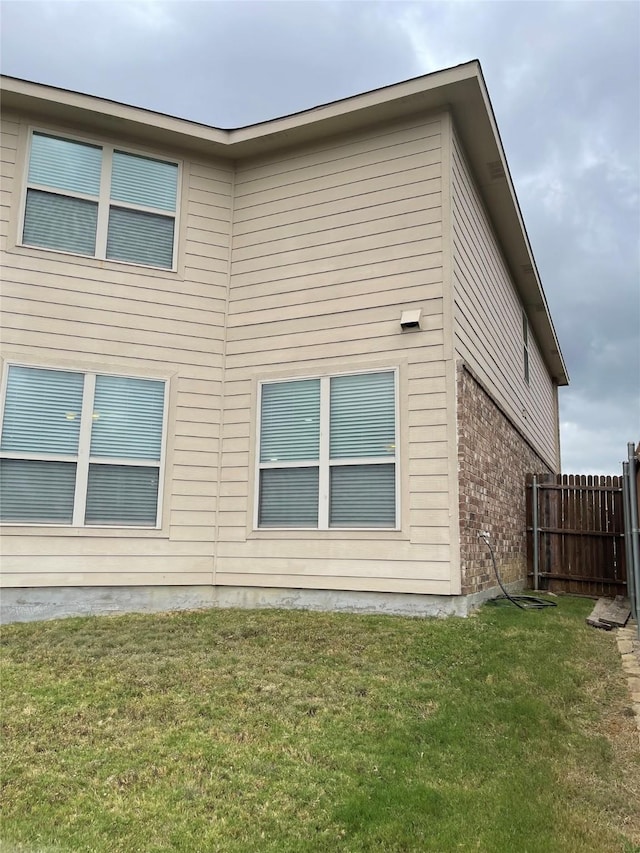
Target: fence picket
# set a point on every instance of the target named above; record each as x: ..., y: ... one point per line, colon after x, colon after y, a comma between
x: 581, y: 534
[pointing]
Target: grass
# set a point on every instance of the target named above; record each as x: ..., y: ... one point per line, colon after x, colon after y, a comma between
x: 297, y: 732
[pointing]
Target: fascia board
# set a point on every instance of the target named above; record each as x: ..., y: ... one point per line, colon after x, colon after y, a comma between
x: 476, y: 124
x: 419, y: 94
x: 461, y: 90
x: 108, y: 116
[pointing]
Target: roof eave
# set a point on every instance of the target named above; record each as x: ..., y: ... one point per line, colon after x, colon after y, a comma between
x: 460, y: 89
x: 478, y: 129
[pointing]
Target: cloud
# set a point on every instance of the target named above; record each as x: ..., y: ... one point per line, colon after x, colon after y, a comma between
x: 227, y: 64
x: 589, y: 443
x: 564, y: 80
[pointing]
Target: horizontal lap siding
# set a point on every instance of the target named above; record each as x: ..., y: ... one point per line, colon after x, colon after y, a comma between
x: 71, y: 311
x: 76, y: 571
x: 488, y: 319
x: 9, y: 129
x: 330, y: 244
x: 339, y: 580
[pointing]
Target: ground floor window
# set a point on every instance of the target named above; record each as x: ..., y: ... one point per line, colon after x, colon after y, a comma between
x: 81, y: 448
x: 328, y: 452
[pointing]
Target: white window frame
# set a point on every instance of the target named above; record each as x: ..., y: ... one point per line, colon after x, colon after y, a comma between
x: 103, y: 200
x: 83, y: 458
x: 324, y: 463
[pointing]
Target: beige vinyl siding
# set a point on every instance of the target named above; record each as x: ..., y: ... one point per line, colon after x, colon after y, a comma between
x: 9, y: 128
x: 488, y: 318
x: 73, y: 312
x: 330, y: 244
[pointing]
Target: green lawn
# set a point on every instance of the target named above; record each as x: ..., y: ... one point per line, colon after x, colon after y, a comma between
x: 293, y: 732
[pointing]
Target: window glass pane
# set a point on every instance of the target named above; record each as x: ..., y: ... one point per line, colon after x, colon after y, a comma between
x: 36, y: 491
x: 362, y: 496
x: 140, y: 238
x: 64, y: 164
x: 140, y: 180
x: 42, y: 411
x: 362, y: 415
x: 58, y: 222
x: 127, y: 418
x: 288, y: 497
x: 120, y: 494
x: 290, y: 421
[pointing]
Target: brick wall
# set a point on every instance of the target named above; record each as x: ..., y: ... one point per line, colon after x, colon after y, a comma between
x: 493, y: 459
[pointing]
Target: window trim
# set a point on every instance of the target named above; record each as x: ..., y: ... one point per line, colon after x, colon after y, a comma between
x: 83, y: 457
x: 324, y: 463
x: 103, y: 200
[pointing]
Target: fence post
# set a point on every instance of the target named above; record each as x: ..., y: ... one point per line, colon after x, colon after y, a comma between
x: 635, y: 532
x: 628, y: 551
x: 534, y: 524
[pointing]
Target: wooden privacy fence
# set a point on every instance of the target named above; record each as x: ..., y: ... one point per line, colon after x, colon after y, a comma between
x: 575, y: 534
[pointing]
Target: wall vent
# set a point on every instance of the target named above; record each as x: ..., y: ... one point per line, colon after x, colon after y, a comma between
x: 496, y: 170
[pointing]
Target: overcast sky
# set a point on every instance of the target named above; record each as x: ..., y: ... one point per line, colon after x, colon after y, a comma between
x: 564, y: 79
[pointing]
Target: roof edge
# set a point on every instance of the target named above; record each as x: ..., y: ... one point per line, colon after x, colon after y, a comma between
x: 459, y: 89
x: 17, y: 86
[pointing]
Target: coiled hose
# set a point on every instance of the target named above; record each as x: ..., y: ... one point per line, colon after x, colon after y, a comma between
x: 524, y: 602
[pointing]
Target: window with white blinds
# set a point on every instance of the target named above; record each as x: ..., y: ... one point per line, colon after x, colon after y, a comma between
x: 100, y: 201
x: 81, y: 448
x: 328, y: 452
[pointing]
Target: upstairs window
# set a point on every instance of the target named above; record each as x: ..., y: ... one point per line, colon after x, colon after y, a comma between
x: 81, y: 448
x: 328, y: 452
x: 99, y: 201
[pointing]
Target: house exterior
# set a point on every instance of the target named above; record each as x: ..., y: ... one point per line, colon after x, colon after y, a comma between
x: 301, y: 363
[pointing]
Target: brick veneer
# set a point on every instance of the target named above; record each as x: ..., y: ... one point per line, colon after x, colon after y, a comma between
x: 493, y: 458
